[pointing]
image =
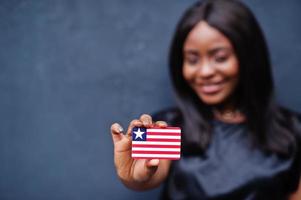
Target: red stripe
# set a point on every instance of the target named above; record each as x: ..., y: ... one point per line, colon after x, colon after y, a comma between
x: 162, y: 140
x: 156, y: 152
x: 166, y: 128
x: 149, y: 158
x: 156, y: 146
x: 169, y: 134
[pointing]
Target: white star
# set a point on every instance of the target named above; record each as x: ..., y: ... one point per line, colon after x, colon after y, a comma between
x: 138, y: 134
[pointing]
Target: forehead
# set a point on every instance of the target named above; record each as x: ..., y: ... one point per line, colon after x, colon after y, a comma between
x: 205, y: 36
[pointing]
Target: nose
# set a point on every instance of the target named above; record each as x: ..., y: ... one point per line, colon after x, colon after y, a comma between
x: 206, y: 70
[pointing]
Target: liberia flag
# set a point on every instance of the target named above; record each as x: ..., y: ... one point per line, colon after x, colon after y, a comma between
x: 161, y: 143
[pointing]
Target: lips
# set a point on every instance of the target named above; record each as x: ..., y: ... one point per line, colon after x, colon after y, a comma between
x: 210, y: 88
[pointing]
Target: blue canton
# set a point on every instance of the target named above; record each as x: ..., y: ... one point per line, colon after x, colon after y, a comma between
x: 139, y: 134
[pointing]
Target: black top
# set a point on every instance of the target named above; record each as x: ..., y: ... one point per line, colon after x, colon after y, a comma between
x: 230, y: 168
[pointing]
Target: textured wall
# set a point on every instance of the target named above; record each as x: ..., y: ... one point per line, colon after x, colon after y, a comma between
x: 68, y: 69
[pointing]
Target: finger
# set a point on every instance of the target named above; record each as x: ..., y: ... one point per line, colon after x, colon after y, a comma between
x: 149, y: 168
x: 161, y: 124
x: 152, y: 163
x: 121, y: 142
x: 117, y: 132
x: 146, y: 120
x: 134, y: 123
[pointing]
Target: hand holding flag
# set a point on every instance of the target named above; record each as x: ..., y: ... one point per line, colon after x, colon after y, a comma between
x: 138, y: 174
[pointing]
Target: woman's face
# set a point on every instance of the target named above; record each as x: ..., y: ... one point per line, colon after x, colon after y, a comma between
x: 210, y: 65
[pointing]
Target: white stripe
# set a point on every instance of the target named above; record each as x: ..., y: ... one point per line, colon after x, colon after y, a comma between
x: 164, y: 130
x: 158, y: 143
x: 164, y: 136
x: 156, y: 155
x: 155, y: 149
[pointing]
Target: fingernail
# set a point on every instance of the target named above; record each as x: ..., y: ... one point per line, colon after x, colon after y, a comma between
x: 148, y: 123
x: 154, y: 162
x: 120, y: 129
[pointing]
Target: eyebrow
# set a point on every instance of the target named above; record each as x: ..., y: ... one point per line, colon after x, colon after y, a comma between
x: 191, y: 51
x: 217, y: 49
x: 210, y: 52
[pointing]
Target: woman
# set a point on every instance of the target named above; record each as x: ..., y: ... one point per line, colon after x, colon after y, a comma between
x: 237, y: 142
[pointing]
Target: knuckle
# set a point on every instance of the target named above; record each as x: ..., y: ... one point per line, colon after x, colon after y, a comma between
x: 134, y: 121
x: 145, y: 116
x: 161, y: 123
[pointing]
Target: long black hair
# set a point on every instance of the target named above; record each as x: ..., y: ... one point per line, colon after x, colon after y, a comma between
x: 269, y: 125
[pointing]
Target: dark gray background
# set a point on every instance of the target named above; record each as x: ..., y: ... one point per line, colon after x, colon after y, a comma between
x: 71, y: 68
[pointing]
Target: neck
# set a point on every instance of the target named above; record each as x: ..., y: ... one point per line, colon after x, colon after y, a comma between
x: 228, y: 113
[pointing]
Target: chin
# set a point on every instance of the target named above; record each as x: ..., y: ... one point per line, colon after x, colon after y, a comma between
x: 212, y: 99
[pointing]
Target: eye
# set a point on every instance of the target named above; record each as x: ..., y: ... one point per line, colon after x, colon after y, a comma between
x: 191, y: 59
x: 220, y: 55
x: 220, y: 59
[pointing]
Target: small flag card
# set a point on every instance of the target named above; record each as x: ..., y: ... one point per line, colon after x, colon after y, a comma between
x: 156, y: 143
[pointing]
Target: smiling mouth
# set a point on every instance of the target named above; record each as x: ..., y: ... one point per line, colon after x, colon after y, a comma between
x: 210, y: 88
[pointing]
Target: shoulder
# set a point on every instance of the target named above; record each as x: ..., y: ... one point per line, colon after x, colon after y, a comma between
x: 294, y: 123
x: 172, y: 116
x: 293, y: 116
x: 296, y: 166
x: 289, y: 112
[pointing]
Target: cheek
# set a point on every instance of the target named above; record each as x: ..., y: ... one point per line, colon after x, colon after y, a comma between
x: 234, y: 71
x: 230, y: 69
x: 232, y: 74
x: 187, y: 73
